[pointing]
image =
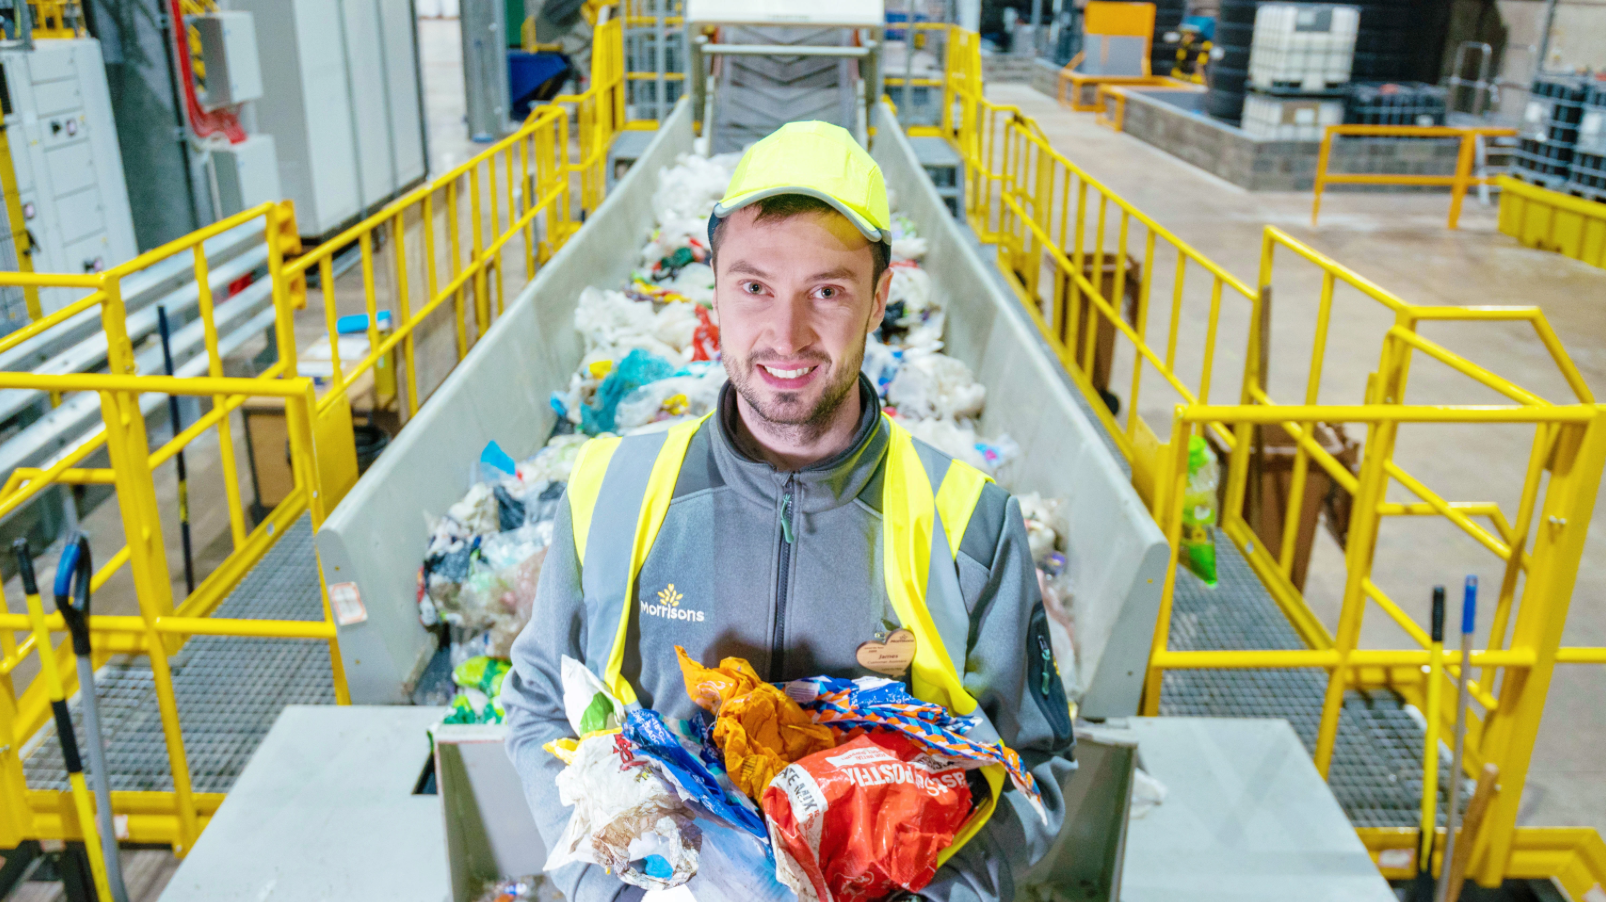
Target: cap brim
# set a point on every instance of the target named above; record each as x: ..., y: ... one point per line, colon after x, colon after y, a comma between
x: 868, y: 229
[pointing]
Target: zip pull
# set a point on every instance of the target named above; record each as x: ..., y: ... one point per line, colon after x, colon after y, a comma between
x: 1048, y: 663
x: 786, y: 515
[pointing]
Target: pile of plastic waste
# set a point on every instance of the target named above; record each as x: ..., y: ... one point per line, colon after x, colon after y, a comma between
x: 651, y: 359
x: 779, y: 790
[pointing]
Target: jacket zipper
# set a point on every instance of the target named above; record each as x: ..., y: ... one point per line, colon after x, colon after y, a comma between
x: 1048, y: 664
x: 778, y: 638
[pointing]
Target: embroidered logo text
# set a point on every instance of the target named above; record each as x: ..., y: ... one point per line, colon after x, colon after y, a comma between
x: 668, y: 607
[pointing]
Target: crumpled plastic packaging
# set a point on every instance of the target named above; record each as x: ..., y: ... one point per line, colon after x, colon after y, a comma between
x: 626, y: 818
x: 757, y: 727
x: 697, y: 778
x: 869, y: 817
x: 875, y: 704
x: 637, y: 369
x: 957, y: 440
x: 674, y: 398
x: 935, y: 386
x: 1042, y: 516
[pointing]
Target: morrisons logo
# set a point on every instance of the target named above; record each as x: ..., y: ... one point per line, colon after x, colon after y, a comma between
x: 668, y: 607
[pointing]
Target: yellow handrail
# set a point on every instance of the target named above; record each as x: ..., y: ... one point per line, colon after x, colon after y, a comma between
x: 1458, y: 182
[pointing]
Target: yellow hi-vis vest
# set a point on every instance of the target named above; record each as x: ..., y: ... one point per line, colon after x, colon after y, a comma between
x: 619, y: 483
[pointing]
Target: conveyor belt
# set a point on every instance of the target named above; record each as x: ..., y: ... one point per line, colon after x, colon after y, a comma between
x: 229, y: 690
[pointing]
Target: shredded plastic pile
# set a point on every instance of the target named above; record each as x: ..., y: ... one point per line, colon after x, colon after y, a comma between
x: 651, y: 359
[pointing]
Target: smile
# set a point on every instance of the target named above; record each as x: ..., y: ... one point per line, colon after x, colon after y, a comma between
x: 787, y: 374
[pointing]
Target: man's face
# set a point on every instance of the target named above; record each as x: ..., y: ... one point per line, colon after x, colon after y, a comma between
x: 795, y: 302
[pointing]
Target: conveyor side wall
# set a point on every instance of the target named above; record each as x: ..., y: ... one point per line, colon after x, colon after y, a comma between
x: 377, y: 535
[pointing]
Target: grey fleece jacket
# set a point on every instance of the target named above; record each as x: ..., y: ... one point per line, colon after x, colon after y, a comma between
x: 795, y: 609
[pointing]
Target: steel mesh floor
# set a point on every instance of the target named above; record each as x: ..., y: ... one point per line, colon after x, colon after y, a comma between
x: 1376, y: 773
x: 228, y: 690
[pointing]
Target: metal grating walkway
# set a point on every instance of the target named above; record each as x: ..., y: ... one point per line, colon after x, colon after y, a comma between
x: 1377, y: 763
x: 229, y: 690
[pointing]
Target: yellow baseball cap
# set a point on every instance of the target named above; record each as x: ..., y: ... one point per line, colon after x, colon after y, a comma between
x: 817, y: 159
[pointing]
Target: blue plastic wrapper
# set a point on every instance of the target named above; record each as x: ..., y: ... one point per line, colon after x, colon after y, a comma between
x: 637, y: 369
x: 653, y: 739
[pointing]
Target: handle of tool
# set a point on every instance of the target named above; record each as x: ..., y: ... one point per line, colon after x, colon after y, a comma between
x: 73, y: 574
x: 64, y: 729
x: 1476, y: 809
x: 1469, y: 621
x: 98, y: 778
x: 1430, y: 757
x: 178, y: 459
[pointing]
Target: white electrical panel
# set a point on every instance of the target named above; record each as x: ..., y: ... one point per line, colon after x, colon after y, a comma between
x: 342, y: 103
x: 69, y: 167
x: 247, y: 174
x: 229, y: 51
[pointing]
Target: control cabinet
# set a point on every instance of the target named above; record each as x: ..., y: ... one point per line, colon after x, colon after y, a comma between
x: 68, y: 166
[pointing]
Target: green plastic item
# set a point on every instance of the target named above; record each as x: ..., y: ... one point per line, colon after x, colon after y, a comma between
x: 1198, y: 552
x: 596, y: 714
x: 482, y: 673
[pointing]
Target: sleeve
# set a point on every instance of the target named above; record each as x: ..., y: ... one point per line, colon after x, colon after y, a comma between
x: 532, y: 696
x: 1010, y: 671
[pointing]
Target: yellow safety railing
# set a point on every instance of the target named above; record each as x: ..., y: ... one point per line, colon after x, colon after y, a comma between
x: 459, y: 240
x: 163, y: 622
x: 1111, y: 289
x: 600, y: 111
x: 1458, y: 182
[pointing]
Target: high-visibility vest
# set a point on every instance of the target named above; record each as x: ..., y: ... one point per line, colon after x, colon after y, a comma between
x: 621, y: 487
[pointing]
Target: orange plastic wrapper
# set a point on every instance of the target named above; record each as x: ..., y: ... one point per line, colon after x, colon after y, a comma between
x: 865, y: 819
x: 759, y: 730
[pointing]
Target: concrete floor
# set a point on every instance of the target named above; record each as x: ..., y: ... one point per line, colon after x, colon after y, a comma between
x: 1400, y: 242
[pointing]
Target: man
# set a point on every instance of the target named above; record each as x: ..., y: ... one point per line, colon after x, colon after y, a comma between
x: 797, y: 527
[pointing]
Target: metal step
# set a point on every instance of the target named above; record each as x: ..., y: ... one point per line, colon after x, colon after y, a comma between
x: 1376, y: 773
x: 229, y: 690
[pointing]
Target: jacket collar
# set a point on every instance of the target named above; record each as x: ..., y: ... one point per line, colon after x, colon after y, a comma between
x: 825, y: 485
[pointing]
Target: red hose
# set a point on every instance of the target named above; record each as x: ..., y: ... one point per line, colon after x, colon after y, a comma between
x: 204, y: 123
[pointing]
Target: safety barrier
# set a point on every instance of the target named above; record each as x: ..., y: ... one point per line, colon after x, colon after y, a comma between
x: 457, y: 239
x: 1089, y: 267
x: 1458, y: 183
x: 163, y: 624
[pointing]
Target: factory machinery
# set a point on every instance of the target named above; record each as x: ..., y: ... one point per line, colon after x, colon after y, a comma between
x: 1061, y: 293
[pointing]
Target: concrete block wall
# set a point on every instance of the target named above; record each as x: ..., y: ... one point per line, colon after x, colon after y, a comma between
x: 1260, y: 165
x: 1045, y: 77
x: 1000, y: 67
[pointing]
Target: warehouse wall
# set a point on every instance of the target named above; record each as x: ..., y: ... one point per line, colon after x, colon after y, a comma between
x: 1577, y: 40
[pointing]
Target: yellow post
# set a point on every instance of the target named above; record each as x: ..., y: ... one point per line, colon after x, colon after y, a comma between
x: 142, y: 524
x: 1463, y: 175
x: 1511, y: 730
x: 1321, y: 174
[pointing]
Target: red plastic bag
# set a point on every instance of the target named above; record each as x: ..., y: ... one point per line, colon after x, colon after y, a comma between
x: 864, y: 819
x: 705, y: 340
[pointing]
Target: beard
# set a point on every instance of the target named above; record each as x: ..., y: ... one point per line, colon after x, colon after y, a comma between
x: 790, y: 413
